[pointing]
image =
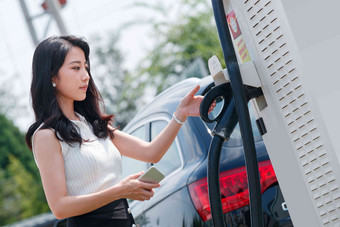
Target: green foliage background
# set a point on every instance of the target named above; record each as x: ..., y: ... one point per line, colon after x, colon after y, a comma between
x: 181, y: 49
x: 21, y: 193
x: 180, y: 42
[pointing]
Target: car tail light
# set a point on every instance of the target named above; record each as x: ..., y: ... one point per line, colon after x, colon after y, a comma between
x: 234, y: 189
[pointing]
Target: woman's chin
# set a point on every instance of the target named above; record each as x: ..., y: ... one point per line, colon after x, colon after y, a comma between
x: 81, y: 98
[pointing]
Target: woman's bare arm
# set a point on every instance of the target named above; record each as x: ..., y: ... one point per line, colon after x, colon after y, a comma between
x: 136, y: 148
x: 152, y: 152
x: 47, y: 151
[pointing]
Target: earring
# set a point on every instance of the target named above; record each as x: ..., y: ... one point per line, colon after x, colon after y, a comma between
x: 54, y: 85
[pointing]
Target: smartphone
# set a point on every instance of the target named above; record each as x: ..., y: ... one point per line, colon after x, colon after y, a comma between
x: 152, y: 175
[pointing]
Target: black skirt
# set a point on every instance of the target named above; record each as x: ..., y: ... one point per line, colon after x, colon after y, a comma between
x: 112, y: 214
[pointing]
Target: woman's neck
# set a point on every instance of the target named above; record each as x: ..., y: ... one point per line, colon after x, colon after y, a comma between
x: 67, y: 107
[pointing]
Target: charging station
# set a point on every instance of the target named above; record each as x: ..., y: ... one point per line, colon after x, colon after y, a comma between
x: 294, y: 46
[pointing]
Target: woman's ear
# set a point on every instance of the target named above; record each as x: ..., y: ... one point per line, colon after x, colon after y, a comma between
x: 54, y: 84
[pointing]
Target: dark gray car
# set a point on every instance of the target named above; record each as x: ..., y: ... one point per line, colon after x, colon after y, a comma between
x: 182, y: 199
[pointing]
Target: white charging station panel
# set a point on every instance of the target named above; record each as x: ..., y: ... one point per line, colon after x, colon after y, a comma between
x: 295, y: 46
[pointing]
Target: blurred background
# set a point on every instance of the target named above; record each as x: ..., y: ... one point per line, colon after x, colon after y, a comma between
x: 138, y: 48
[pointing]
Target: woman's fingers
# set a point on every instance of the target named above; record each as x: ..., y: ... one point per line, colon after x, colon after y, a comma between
x: 136, y: 175
x: 194, y: 91
x: 149, y: 186
x: 189, y: 104
x: 212, y: 106
x: 139, y: 190
x: 144, y: 194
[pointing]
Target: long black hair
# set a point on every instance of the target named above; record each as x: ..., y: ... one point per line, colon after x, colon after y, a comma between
x: 48, y: 58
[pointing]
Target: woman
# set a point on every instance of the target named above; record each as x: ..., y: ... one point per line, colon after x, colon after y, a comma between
x: 77, y: 151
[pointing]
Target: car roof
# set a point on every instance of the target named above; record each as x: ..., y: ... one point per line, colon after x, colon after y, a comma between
x: 167, y: 101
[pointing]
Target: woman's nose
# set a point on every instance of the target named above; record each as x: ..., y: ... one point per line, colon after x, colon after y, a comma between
x: 85, y: 75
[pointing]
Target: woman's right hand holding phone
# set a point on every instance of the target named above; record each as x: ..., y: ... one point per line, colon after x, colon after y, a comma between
x: 136, y: 189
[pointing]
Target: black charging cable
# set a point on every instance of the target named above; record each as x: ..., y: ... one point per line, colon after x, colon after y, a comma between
x: 226, y: 123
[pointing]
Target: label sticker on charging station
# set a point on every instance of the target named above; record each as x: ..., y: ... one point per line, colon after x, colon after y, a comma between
x: 238, y: 41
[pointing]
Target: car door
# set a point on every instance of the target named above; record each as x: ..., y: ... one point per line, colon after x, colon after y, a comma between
x: 171, y: 205
x: 132, y: 166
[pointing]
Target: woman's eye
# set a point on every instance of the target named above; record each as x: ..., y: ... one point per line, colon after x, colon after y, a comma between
x: 76, y: 68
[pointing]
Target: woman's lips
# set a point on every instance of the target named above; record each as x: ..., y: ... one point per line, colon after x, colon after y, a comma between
x: 83, y: 87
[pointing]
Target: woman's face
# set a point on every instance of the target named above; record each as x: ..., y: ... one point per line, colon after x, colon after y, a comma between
x: 72, y: 79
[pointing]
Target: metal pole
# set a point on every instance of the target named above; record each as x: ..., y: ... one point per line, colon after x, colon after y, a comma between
x: 54, y: 8
x: 240, y: 98
x: 29, y: 22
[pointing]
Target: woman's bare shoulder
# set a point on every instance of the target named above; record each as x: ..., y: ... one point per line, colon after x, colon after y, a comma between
x: 45, y: 137
x: 45, y: 133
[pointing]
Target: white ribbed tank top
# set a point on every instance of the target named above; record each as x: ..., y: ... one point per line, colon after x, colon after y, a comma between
x: 94, y: 166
